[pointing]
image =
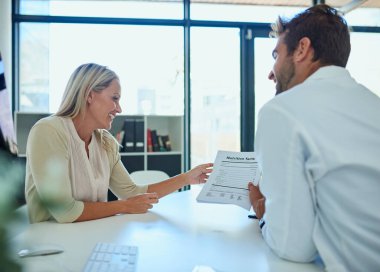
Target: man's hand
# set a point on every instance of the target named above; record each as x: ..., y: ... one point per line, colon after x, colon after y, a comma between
x: 257, y: 200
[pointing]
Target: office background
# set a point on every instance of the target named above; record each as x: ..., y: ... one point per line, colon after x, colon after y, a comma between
x: 205, y: 60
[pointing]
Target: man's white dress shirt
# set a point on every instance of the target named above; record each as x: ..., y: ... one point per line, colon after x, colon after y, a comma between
x: 318, y: 145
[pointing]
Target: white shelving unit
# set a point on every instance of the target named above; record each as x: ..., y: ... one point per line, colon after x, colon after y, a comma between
x: 158, y: 160
x: 170, y: 162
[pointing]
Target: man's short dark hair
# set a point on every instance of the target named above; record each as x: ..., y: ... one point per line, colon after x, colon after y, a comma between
x: 326, y: 29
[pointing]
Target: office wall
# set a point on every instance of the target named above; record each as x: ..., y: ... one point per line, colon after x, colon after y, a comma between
x: 6, y: 40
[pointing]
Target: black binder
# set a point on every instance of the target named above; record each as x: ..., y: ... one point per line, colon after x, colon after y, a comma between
x: 129, y: 135
x: 139, y: 135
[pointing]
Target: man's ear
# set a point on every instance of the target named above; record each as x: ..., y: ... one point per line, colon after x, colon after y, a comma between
x: 303, y: 50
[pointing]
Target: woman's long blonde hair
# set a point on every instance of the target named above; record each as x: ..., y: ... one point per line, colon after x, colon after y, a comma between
x: 86, y: 78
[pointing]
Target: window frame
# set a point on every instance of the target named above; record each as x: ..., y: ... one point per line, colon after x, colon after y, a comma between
x: 248, y: 31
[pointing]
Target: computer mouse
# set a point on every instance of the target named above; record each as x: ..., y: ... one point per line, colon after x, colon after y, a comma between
x: 40, y: 249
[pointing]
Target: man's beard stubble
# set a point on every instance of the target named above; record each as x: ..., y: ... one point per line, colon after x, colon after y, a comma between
x: 285, y: 77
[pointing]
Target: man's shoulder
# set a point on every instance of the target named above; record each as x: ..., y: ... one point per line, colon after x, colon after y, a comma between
x: 298, y: 95
x: 283, y: 99
x: 293, y: 104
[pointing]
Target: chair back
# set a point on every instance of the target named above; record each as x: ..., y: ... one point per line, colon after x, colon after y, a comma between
x: 148, y: 176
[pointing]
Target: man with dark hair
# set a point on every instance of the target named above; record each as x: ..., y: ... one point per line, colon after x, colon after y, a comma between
x: 318, y: 145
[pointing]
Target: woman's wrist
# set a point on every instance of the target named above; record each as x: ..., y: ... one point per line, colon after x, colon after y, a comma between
x: 183, y: 180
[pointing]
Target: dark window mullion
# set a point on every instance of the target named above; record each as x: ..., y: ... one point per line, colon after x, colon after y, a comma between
x: 15, y: 57
x: 247, y: 89
x: 187, y: 90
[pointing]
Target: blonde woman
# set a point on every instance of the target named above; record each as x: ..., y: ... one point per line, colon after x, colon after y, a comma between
x: 72, y: 159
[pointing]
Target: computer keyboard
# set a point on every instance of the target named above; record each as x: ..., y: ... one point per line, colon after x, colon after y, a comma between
x: 108, y: 257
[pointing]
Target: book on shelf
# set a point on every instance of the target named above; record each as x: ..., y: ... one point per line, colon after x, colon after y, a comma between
x: 155, y: 143
x: 166, y: 142
x: 160, y: 144
x: 149, y: 140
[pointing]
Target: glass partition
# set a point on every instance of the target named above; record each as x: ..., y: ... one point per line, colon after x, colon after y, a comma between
x: 154, y: 9
x: 148, y: 60
x: 364, y: 61
x: 215, y: 92
x: 264, y: 88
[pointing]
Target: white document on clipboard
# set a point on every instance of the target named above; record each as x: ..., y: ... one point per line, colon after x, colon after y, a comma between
x: 228, y: 182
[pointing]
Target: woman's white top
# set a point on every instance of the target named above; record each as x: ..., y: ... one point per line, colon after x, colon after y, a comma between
x: 60, y: 176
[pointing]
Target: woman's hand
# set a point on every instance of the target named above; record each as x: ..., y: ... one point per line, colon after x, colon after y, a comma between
x: 140, y: 203
x: 198, y: 174
x: 257, y: 200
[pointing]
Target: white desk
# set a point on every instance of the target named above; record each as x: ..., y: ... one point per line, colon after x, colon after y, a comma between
x: 176, y: 235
